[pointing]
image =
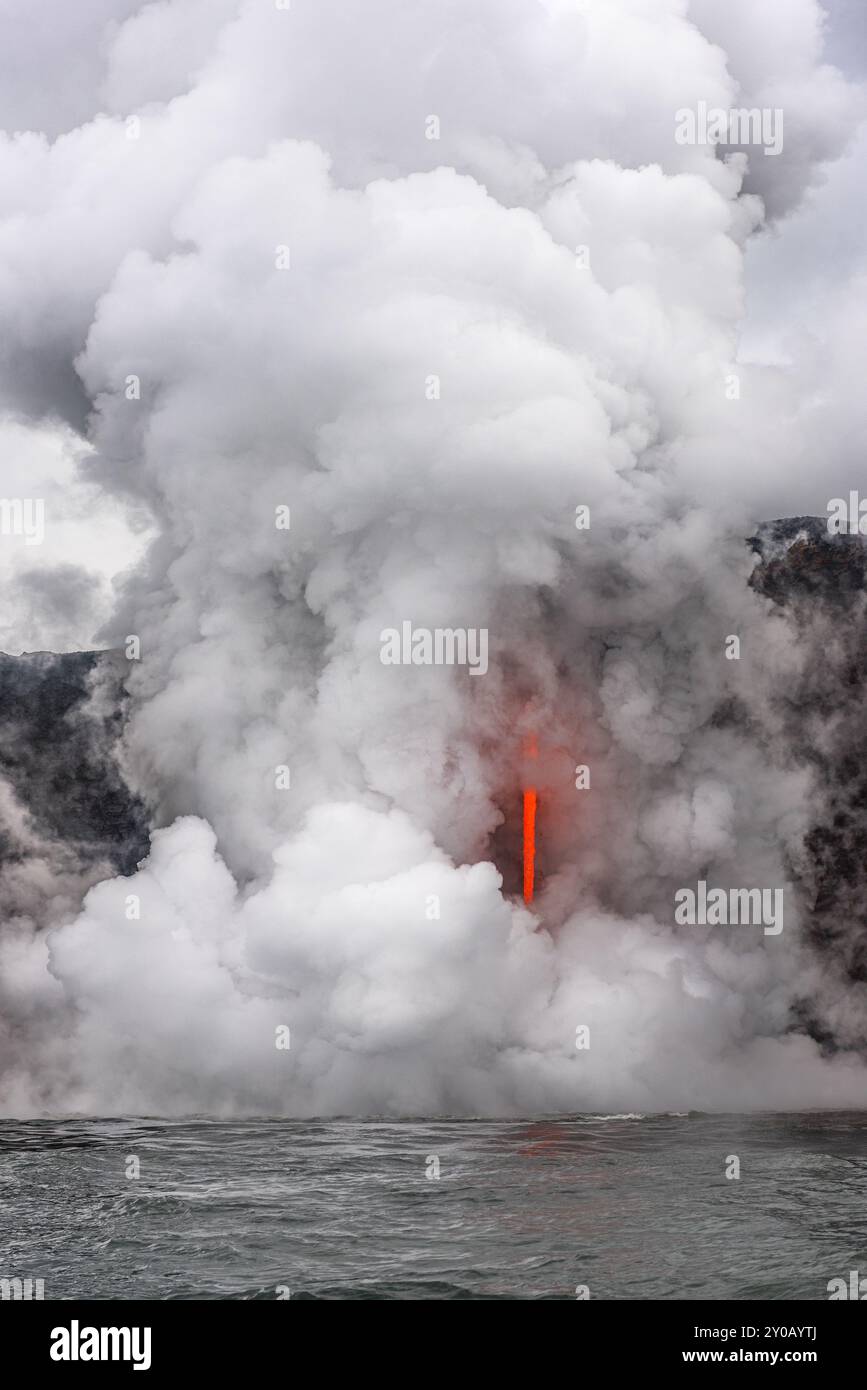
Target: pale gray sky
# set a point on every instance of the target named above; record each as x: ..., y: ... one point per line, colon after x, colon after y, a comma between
x: 795, y: 268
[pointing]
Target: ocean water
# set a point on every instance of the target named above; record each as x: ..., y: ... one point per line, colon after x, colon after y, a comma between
x: 634, y: 1207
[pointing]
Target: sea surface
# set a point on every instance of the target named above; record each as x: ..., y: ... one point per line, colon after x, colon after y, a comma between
x: 632, y: 1207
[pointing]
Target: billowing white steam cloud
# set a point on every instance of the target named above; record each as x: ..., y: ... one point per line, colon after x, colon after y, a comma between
x: 572, y: 278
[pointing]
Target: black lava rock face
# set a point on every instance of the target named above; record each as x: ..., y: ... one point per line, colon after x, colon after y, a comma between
x: 61, y: 717
x: 819, y: 582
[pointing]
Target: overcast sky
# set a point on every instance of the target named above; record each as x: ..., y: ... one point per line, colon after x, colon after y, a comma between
x: 793, y: 268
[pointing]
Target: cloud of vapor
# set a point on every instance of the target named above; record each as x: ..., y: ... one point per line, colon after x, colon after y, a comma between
x: 432, y: 350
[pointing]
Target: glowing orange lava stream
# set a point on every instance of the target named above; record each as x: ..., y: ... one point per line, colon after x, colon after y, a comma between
x: 530, y: 802
x: 529, y: 843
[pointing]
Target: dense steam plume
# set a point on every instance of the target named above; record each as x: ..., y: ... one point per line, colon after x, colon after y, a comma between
x: 422, y: 281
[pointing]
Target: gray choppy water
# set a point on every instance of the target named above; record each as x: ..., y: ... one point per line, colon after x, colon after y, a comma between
x: 635, y: 1208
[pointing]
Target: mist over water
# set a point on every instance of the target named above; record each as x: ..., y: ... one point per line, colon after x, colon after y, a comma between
x: 367, y: 299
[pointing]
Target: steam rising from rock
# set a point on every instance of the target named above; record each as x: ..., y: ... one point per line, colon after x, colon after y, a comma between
x: 432, y: 386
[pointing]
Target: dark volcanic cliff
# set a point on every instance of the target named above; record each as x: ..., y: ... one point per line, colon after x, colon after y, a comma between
x: 819, y: 583
x: 62, y: 788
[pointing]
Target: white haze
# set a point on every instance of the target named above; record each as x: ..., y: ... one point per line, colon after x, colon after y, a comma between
x: 560, y: 385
